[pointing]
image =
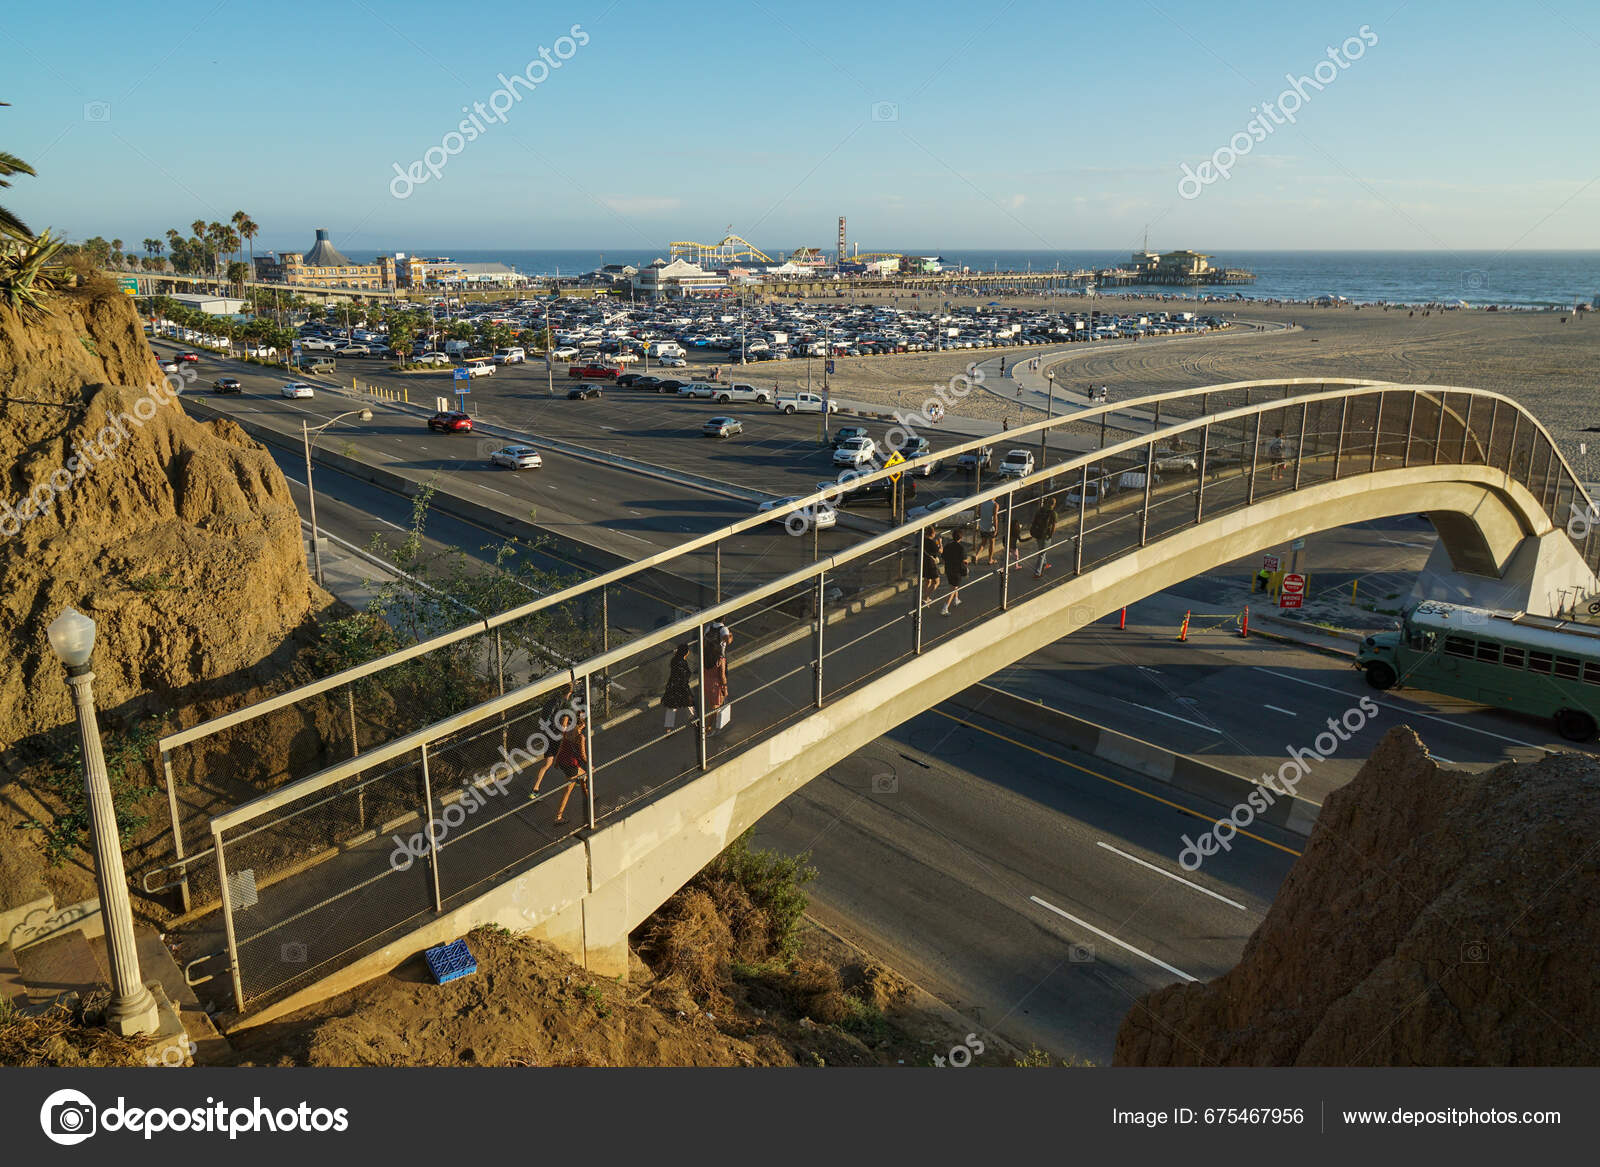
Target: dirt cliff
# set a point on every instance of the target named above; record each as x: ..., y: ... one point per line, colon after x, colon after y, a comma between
x: 1436, y: 918
x: 179, y: 537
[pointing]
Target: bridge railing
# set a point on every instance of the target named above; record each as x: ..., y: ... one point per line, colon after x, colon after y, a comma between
x: 240, y: 754
x: 325, y: 869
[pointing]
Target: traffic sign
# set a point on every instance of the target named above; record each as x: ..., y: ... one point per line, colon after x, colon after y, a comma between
x: 894, y: 459
x: 1292, y: 591
x: 461, y: 375
x: 1269, y: 563
x: 129, y: 285
x: 1298, y: 545
x: 829, y: 366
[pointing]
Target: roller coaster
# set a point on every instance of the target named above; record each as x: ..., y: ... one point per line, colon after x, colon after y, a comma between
x: 732, y: 249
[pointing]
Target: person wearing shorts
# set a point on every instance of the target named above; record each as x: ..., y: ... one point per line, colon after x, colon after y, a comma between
x: 559, y: 700
x: 572, y: 755
x: 986, y: 528
x: 932, y: 564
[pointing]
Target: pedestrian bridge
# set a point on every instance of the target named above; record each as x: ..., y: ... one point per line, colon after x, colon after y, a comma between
x: 385, y: 835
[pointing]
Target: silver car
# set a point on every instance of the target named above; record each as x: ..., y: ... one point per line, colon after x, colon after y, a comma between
x: 517, y: 458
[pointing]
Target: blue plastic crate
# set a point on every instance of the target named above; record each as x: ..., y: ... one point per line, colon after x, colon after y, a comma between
x: 451, y: 961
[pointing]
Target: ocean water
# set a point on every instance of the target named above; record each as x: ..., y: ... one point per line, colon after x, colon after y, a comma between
x: 1527, y: 279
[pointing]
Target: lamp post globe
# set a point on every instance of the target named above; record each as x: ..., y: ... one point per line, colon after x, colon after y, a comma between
x: 133, y: 1008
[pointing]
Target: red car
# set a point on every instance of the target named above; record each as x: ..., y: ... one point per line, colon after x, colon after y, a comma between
x: 595, y: 372
x: 450, y: 423
x: 188, y: 356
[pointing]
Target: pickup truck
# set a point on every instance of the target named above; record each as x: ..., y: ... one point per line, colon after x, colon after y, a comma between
x: 726, y: 394
x: 804, y: 403
x: 595, y: 372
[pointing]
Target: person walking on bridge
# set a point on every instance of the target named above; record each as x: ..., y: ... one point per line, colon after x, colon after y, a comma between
x: 931, y: 564
x: 679, y: 694
x: 1043, y: 529
x: 560, y: 701
x: 573, y: 758
x: 955, y: 569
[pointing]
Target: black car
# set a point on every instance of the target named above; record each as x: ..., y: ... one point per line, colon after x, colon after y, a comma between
x: 583, y: 392
x: 844, y: 494
x: 845, y: 432
x: 649, y: 384
x: 227, y: 385
x: 628, y: 379
x: 669, y: 385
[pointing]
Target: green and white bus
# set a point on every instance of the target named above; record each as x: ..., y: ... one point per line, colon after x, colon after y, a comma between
x: 1529, y: 664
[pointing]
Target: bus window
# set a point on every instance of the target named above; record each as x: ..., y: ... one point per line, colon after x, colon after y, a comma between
x: 1591, y: 673
x: 1488, y: 652
x: 1514, y: 657
x: 1538, y: 662
x: 1457, y: 646
x: 1567, y: 666
x: 1422, y: 641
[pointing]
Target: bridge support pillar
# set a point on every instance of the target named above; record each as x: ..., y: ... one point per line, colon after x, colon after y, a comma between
x: 1543, y: 575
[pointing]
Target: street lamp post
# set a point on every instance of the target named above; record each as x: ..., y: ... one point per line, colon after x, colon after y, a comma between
x: 1050, y: 411
x: 311, y: 493
x: 133, y: 1009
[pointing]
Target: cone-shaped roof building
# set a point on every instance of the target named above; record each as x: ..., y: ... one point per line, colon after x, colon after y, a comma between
x: 325, y: 254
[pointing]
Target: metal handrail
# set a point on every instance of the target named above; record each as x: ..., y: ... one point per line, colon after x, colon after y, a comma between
x: 689, y: 626
x: 667, y: 555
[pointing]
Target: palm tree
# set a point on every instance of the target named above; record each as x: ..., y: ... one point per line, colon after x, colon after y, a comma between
x: 248, y: 231
x: 10, y: 164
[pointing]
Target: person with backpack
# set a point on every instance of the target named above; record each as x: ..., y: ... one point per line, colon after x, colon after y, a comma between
x: 1043, y: 529
x: 955, y: 569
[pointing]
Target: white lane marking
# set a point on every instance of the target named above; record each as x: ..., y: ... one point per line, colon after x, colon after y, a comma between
x: 1275, y: 709
x: 501, y: 493
x: 1106, y: 935
x: 1400, y: 543
x: 1159, y: 713
x: 1169, y: 875
x: 633, y: 512
x: 1403, y: 712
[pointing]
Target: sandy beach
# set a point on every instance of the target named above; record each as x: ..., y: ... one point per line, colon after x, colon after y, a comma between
x: 1551, y: 367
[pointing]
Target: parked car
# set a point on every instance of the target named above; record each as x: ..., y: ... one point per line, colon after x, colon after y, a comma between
x: 479, y: 367
x: 627, y: 379
x: 517, y: 458
x: 804, y: 403
x: 509, y: 356
x: 846, y: 433
x: 432, y: 359
x: 1016, y: 464
x: 451, y: 422
x: 821, y: 516
x: 227, y: 385
x: 318, y: 365
x: 919, y: 450
x: 648, y: 384
x: 722, y: 427
x: 583, y: 393
x: 297, y: 389
x: 947, y: 511
x: 703, y: 389
x: 669, y: 385
x: 354, y: 350
x: 855, y: 451
x: 673, y: 363
x: 565, y: 353
x: 264, y: 352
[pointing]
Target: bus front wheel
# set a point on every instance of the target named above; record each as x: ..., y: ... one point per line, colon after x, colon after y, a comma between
x: 1380, y: 675
x: 1575, y: 725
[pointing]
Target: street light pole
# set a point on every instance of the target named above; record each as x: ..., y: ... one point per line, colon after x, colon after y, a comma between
x: 311, y: 492
x: 1050, y: 412
x: 132, y: 1009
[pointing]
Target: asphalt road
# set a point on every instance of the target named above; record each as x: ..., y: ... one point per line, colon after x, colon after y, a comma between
x: 1035, y: 894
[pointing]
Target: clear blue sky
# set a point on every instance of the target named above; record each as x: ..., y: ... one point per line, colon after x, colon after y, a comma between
x: 1004, y: 125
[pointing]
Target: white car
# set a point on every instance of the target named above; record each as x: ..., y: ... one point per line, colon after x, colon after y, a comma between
x: 673, y: 363
x: 855, y: 452
x: 432, y: 359
x: 801, y: 522
x: 262, y: 352
x: 296, y: 389
x: 946, y: 511
x: 698, y: 389
x: 509, y: 356
x: 479, y: 367
x: 565, y: 353
x: 170, y: 366
x: 1016, y: 464
x: 517, y: 458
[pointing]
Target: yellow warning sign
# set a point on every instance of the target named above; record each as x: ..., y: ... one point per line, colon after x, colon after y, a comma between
x: 894, y: 459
